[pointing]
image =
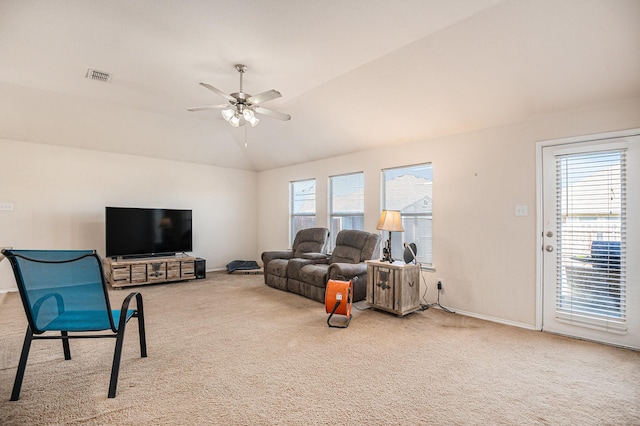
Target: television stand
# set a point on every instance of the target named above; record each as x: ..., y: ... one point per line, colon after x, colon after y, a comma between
x: 148, y: 270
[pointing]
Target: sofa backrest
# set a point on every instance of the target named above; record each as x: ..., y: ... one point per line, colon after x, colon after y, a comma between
x: 310, y: 240
x: 355, y: 246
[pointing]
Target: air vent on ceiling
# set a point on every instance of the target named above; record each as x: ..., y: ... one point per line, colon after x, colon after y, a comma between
x: 98, y: 75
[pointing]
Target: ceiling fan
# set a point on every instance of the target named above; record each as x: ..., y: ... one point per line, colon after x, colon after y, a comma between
x: 242, y: 107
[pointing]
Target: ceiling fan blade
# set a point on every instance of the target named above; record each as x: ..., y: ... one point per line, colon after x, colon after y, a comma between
x: 264, y: 97
x: 271, y: 113
x: 208, y: 107
x: 220, y: 93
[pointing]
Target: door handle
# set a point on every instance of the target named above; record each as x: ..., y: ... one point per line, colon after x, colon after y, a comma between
x: 549, y: 248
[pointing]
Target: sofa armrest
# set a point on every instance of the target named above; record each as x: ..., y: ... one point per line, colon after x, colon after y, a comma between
x: 268, y: 256
x: 316, y: 257
x: 355, y: 272
x: 342, y: 271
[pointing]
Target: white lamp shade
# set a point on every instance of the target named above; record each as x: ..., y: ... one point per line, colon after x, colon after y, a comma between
x: 390, y: 220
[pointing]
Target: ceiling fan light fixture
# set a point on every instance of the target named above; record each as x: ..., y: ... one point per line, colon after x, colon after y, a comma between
x: 241, y: 107
x: 248, y: 114
x: 235, y: 120
x: 254, y: 121
x: 228, y: 113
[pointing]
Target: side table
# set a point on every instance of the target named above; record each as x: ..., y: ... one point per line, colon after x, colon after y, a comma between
x: 393, y: 287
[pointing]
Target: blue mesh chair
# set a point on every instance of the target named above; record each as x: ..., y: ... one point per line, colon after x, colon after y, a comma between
x: 65, y: 291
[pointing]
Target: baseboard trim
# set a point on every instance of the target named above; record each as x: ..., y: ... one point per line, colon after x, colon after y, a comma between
x: 496, y: 320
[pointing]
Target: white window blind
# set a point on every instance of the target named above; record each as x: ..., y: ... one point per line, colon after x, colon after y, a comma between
x: 303, y: 205
x: 591, y: 215
x: 346, y: 203
x: 409, y: 189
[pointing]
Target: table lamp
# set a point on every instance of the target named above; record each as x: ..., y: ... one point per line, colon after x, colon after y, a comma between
x: 390, y: 220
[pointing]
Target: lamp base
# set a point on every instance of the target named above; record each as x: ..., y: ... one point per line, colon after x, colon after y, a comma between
x: 386, y: 251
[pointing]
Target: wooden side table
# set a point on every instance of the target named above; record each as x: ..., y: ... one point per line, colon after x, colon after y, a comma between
x: 393, y: 287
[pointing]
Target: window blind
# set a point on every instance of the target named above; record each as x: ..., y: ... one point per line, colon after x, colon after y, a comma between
x: 409, y: 189
x: 302, y: 206
x: 346, y: 208
x: 591, y: 249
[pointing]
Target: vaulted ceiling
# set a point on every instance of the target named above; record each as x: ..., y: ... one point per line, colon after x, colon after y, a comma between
x: 354, y: 74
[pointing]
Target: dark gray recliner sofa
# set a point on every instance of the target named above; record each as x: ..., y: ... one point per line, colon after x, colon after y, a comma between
x: 308, y: 275
x: 310, y: 240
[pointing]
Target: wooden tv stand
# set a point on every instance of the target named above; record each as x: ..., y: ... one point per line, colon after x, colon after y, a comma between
x: 148, y: 270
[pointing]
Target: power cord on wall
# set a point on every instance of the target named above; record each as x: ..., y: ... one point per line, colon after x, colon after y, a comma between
x: 426, y: 305
x: 438, y: 301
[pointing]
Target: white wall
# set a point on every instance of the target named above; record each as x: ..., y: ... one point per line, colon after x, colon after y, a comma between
x: 483, y: 253
x: 59, y: 195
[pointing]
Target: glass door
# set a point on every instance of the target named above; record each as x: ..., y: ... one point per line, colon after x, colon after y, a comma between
x: 590, y: 240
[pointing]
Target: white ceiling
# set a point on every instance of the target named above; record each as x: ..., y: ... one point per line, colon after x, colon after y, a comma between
x: 354, y: 74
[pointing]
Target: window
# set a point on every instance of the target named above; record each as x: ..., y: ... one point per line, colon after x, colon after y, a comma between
x: 409, y: 189
x: 346, y: 203
x: 303, y: 205
x: 591, y: 220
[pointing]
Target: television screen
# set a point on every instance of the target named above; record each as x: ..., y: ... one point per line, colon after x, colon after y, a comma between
x: 142, y: 232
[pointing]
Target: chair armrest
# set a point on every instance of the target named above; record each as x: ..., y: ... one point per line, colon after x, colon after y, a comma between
x: 316, y: 257
x: 346, y: 271
x: 268, y: 256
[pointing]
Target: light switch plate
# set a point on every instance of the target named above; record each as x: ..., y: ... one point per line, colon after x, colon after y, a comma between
x: 522, y: 210
x: 6, y: 207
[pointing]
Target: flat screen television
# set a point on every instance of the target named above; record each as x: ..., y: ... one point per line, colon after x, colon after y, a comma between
x: 143, y: 232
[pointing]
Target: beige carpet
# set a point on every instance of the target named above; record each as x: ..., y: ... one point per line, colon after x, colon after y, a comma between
x: 229, y: 350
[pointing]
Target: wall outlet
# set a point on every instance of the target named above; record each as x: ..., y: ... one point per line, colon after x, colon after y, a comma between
x: 439, y: 284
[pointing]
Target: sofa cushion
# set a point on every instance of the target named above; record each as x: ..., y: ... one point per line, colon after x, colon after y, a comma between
x: 307, y: 247
x: 310, y: 240
x: 278, y: 267
x: 345, y: 254
x: 294, y: 266
x: 314, y: 274
x: 354, y: 246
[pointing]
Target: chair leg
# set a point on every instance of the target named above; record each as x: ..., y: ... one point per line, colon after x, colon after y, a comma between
x: 22, y: 365
x: 115, y: 367
x: 139, y: 313
x: 141, y: 332
x: 65, y: 345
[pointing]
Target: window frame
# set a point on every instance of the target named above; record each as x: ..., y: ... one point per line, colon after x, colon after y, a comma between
x: 292, y: 213
x: 424, y: 248
x: 332, y: 215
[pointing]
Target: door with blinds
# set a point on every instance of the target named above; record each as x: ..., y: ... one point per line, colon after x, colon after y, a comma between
x: 590, y: 257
